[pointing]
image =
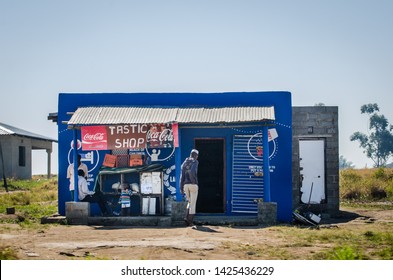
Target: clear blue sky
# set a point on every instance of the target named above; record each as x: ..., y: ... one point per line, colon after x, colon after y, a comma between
x: 333, y: 52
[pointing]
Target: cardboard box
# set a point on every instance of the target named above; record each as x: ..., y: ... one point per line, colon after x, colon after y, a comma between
x: 109, y: 160
x: 149, y: 206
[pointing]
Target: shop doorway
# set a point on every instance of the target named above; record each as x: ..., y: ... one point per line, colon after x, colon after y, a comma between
x: 312, y: 166
x: 211, y: 176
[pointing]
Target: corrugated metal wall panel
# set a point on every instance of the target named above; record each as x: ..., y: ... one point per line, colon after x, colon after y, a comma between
x: 246, y: 186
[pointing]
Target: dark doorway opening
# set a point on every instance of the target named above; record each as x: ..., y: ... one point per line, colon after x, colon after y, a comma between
x: 211, y: 172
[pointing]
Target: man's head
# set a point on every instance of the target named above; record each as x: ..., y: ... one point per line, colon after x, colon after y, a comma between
x: 81, y: 172
x: 194, y: 153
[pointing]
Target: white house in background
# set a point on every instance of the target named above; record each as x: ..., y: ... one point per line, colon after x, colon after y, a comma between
x: 16, y: 147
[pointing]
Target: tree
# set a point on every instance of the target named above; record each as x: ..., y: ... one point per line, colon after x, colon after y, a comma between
x: 344, y: 163
x: 378, y: 145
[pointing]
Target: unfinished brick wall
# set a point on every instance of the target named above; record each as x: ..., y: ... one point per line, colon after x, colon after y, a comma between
x: 324, y: 123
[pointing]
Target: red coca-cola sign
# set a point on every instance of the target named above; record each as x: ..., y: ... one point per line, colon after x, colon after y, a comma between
x: 159, y: 136
x: 94, y: 138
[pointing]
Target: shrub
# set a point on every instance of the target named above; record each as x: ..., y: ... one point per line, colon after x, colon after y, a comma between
x: 366, y: 184
x: 350, y: 176
x: 378, y: 193
x: 7, y: 253
x: 345, y: 253
x: 352, y: 195
x: 380, y: 173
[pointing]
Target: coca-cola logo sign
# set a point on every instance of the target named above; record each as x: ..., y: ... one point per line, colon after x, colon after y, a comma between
x: 165, y: 135
x: 159, y: 136
x: 94, y: 137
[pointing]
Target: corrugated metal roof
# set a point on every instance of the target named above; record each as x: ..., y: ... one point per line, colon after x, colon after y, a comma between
x: 6, y: 129
x: 225, y: 115
x: 122, y: 115
x: 125, y: 115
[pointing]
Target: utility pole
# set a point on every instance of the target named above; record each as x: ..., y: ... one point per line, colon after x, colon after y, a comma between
x: 3, y: 167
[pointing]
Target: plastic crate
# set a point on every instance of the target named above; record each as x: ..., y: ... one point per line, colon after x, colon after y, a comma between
x: 121, y: 160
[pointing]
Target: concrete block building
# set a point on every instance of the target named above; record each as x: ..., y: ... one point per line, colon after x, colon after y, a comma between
x: 315, y: 156
x: 16, y: 146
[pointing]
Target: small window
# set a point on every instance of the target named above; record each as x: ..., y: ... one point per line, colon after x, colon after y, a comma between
x: 22, y: 156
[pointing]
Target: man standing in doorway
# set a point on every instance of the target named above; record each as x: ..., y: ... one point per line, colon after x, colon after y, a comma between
x: 189, y: 184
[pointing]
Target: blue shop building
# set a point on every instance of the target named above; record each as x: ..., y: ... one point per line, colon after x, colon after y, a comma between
x: 244, y: 140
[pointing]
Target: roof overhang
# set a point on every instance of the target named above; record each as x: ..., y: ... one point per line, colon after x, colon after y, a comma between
x: 8, y: 130
x: 85, y: 116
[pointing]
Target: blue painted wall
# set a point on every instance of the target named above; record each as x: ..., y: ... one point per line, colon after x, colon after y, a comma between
x: 280, y: 148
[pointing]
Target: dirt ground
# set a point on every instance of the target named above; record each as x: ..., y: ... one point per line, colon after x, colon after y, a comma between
x: 60, y: 242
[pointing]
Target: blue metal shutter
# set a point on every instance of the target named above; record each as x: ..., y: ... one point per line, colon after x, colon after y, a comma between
x: 247, y: 173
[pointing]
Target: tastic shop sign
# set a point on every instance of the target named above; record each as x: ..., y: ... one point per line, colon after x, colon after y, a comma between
x: 130, y: 136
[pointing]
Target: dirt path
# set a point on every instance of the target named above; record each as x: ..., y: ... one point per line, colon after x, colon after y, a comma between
x: 206, y: 242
